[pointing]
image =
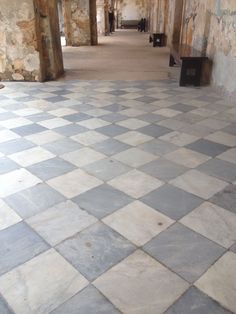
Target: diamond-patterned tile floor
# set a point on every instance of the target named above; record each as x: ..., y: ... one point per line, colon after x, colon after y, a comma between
x: 116, y: 197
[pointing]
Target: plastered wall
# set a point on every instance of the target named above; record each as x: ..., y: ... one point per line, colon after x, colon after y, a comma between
x: 132, y: 9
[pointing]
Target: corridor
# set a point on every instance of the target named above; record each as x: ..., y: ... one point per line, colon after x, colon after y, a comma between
x: 117, y: 188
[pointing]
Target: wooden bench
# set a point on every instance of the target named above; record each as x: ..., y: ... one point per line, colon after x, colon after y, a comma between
x: 191, y: 61
x: 158, y: 39
x: 129, y: 24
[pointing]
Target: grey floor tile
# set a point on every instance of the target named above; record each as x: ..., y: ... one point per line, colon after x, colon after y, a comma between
x: 226, y: 198
x: 29, y: 129
x: 56, y: 99
x: 112, y: 130
x: 7, y: 165
x: 115, y: 108
x: 150, y: 117
x: 77, y: 117
x: 219, y: 168
x: 89, y: 301
x: 70, y: 130
x: 230, y: 129
x: 51, y: 168
x: 183, y: 107
x: 110, y: 147
x: 154, y: 130
x: 106, y: 169
x: 233, y: 248
x: 172, y: 201
x: 163, y: 169
x: 15, y: 146
x: 4, y: 308
x: 158, y: 147
x: 34, y: 200
x: 19, y: 243
x: 40, y: 117
x: 184, y: 251
x: 114, y: 117
x: 207, y: 147
x: 107, y: 199
x: 196, y: 302
x: 147, y: 99
x: 95, y: 250
x: 62, y: 146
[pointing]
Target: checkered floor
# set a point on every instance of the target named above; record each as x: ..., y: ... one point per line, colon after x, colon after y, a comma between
x: 117, y: 197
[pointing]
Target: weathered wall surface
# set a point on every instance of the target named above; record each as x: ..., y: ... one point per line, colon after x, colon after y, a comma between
x: 77, y: 22
x: 206, y: 25
x: 19, y: 55
x: 133, y: 9
x: 210, y: 25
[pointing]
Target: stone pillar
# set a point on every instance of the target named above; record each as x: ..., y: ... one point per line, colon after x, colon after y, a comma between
x: 30, y: 47
x: 79, y: 18
x: 101, y: 17
x: 19, y: 51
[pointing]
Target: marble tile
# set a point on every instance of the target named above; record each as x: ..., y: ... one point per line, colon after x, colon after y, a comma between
x: 199, y: 184
x: 31, y: 156
x: 187, y: 157
x: 7, y: 135
x: 51, y: 168
x: 60, y: 222
x: 172, y: 201
x: 83, y: 156
x: 220, y: 169
x: 34, y: 200
x: 14, y: 123
x: 19, y: 243
x: 219, y: 282
x: 89, y: 138
x: 141, y: 285
x: 214, y: 222
x: 132, y: 123
x: 93, y: 123
x: 107, y: 199
x: 110, y: 147
x: 15, y: 146
x: 223, y: 138
x: 184, y: 251
x: 158, y: 147
x: 194, y: 301
x: 95, y: 250
x: 29, y: 129
x: 226, y: 198
x: 135, y: 183
x: 134, y: 157
x: 154, y: 130
x: 179, y: 138
x: 38, y: 286
x: 16, y: 181
x: 7, y: 165
x: 133, y: 138
x: 54, y: 123
x: 8, y: 216
x: 229, y: 155
x: 106, y: 169
x: 207, y: 147
x: 61, y: 112
x: 44, y: 137
x: 4, y: 308
x: 90, y: 300
x: 74, y: 183
x: 112, y: 130
x: 138, y: 222
x: 167, y: 112
x: 163, y: 169
x: 62, y: 146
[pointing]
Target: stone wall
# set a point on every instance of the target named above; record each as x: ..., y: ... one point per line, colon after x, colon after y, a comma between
x: 132, y: 9
x: 210, y: 25
x: 206, y: 25
x: 19, y: 54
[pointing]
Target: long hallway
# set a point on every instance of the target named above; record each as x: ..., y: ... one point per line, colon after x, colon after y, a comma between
x: 117, y: 196
x: 124, y: 55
